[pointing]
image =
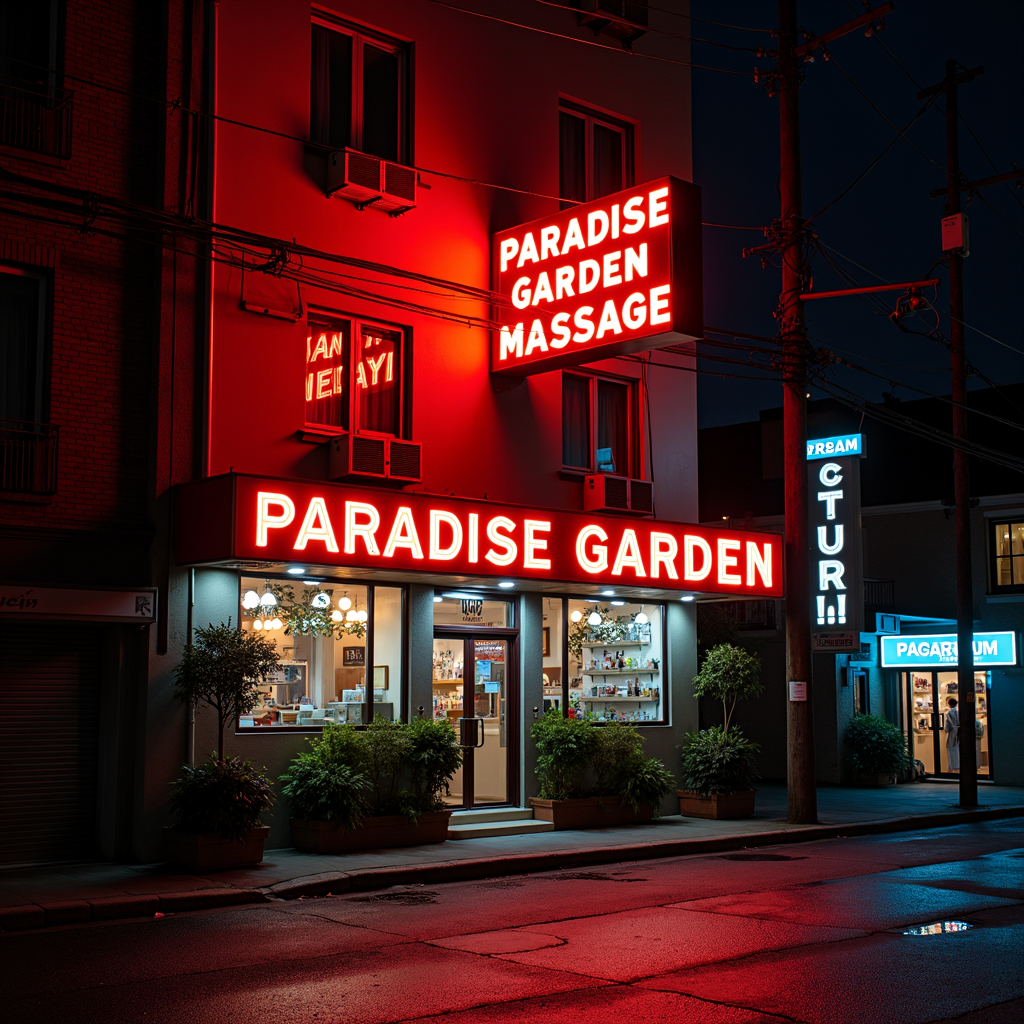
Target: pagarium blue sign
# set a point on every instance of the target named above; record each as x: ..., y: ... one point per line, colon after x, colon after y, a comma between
x: 938, y: 650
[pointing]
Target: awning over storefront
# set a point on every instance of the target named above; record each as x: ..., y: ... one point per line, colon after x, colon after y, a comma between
x: 245, y: 520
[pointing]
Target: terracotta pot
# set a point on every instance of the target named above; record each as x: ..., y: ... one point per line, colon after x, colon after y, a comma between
x: 203, y: 851
x: 721, y: 805
x: 589, y: 812
x: 372, y: 833
x: 872, y: 780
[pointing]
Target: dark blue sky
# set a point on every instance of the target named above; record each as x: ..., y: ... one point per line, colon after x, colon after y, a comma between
x: 888, y: 223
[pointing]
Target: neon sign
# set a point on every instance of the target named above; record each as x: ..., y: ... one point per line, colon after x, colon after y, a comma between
x: 934, y: 650
x: 604, y: 278
x: 234, y: 517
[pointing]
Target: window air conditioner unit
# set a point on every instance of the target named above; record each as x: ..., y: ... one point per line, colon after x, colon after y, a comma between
x: 370, y: 181
x: 364, y: 456
x: 606, y: 493
x: 625, y: 20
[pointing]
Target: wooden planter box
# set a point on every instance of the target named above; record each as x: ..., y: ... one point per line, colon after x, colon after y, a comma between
x: 872, y: 780
x: 721, y: 805
x: 212, y: 852
x: 590, y: 812
x: 372, y: 833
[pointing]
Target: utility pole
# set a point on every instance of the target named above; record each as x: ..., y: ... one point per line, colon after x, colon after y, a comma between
x: 961, y: 479
x: 801, y: 784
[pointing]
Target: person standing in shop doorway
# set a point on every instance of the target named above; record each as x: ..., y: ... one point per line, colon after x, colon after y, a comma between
x: 952, y: 728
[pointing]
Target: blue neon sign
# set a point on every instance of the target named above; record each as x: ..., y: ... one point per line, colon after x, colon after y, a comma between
x: 937, y: 650
x: 830, y: 447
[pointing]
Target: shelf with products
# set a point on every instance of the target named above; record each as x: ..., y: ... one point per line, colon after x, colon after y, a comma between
x: 608, y: 645
x: 447, y: 682
x: 622, y: 672
x: 628, y: 700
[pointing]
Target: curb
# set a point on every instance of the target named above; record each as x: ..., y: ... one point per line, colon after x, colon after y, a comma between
x: 337, y: 883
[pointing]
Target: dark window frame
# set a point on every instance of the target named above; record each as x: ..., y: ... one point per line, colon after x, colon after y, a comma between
x: 995, y: 587
x: 634, y: 439
x: 40, y: 401
x: 361, y: 36
x: 353, y: 325
x: 592, y: 117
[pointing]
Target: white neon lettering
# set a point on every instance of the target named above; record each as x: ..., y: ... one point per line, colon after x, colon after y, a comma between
x: 444, y: 554
x: 760, y: 563
x: 521, y: 293
x: 599, y: 561
x: 366, y: 530
x: 609, y: 320
x: 585, y: 325
x: 727, y: 561
x: 549, y: 242
x: 510, y: 342
x: 375, y: 366
x: 573, y: 237
x: 588, y: 283
x: 473, y: 545
x: 403, y: 534
x: 664, y: 549
x: 611, y: 275
x: 658, y: 204
x: 830, y: 570
x: 503, y: 542
x: 615, y: 221
x: 628, y: 555
x: 830, y: 498
x: 266, y: 520
x: 595, y: 235
x: 837, y: 540
x: 543, y: 289
x: 830, y: 474
x: 316, y: 526
x: 636, y: 262
x: 633, y: 213
x: 532, y: 543
x: 564, y: 277
x: 692, y: 544
x: 659, y: 302
x: 528, y: 251
x: 323, y: 384
x: 634, y: 311
x: 537, y: 339
x: 509, y: 247
x: 560, y: 334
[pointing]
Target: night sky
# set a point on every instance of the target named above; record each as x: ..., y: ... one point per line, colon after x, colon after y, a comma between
x: 888, y: 223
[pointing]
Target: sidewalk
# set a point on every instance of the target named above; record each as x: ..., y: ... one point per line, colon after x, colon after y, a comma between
x: 74, y: 893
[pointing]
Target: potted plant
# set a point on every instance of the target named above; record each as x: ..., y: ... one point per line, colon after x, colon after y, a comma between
x: 876, y: 751
x: 719, y: 767
x: 593, y: 776
x: 383, y: 786
x: 219, y: 804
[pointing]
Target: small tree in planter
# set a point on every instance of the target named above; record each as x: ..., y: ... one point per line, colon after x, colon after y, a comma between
x: 382, y: 786
x: 877, y: 750
x: 219, y: 804
x: 595, y: 775
x: 719, y: 763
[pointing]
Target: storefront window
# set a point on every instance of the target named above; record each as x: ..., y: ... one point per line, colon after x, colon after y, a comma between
x: 458, y: 609
x: 928, y: 697
x: 616, y: 670
x: 323, y: 633
x: 377, y: 380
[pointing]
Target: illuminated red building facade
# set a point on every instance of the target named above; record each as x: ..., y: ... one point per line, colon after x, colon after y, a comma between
x: 342, y: 458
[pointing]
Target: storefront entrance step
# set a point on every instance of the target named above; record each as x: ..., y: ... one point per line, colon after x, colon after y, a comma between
x: 491, y: 814
x: 484, y: 829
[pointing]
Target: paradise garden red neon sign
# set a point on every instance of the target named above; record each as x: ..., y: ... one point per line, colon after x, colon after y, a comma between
x: 248, y: 518
x: 616, y: 275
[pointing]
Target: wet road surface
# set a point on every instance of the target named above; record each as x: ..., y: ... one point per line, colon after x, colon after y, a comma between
x: 810, y: 932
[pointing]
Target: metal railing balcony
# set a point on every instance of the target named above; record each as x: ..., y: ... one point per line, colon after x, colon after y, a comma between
x: 28, y: 457
x: 879, y: 594
x: 34, y: 118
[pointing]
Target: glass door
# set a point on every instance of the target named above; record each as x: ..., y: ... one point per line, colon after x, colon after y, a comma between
x: 470, y: 689
x: 928, y: 697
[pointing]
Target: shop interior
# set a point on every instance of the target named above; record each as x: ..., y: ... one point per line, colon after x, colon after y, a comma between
x: 320, y: 628
x: 927, y: 695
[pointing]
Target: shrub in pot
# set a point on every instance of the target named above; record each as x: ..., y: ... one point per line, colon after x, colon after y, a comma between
x: 719, y: 766
x: 594, y: 775
x: 876, y: 750
x: 218, y: 805
x: 382, y: 786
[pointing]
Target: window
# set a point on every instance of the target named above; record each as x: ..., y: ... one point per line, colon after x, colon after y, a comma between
x: 595, y: 154
x: 23, y: 333
x: 354, y: 376
x: 598, y: 425
x: 1008, y: 555
x: 359, y: 86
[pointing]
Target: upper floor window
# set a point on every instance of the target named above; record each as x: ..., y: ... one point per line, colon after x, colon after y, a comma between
x: 30, y: 35
x: 359, y: 92
x: 354, y: 376
x: 1008, y: 554
x: 23, y: 337
x: 595, y: 153
x: 599, y: 424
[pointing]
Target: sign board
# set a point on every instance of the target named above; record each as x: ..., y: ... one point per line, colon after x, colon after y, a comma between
x: 939, y: 650
x: 797, y: 690
x: 600, y: 279
x: 93, y: 605
x: 839, y: 643
x: 833, y: 497
x: 234, y: 518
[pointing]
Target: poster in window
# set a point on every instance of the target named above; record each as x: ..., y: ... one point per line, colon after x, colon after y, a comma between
x: 353, y: 657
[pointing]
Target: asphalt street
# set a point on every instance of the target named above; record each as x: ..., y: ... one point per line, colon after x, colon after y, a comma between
x: 812, y: 932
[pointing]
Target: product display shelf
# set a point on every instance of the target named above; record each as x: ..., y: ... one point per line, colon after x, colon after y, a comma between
x: 628, y: 700
x: 447, y: 682
x: 616, y: 644
x: 621, y: 672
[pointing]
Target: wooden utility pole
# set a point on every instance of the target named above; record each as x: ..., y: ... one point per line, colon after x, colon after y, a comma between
x: 961, y: 478
x: 801, y: 785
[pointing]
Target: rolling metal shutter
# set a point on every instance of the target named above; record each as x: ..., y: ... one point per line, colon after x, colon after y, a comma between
x: 50, y: 679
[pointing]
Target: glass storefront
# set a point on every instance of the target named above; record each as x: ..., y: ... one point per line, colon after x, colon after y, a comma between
x: 927, y: 697
x: 333, y: 638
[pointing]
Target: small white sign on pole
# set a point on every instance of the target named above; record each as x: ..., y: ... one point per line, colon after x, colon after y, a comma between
x: 797, y: 690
